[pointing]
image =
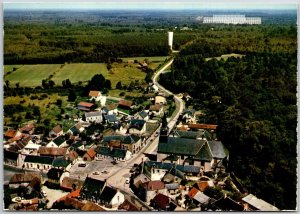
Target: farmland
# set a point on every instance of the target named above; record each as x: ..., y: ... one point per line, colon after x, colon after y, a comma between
x: 30, y: 75
x: 79, y: 72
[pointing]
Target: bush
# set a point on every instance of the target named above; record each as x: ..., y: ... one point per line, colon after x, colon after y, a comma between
x: 122, y: 94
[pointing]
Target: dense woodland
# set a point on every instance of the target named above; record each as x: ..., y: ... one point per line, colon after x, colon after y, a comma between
x: 253, y: 100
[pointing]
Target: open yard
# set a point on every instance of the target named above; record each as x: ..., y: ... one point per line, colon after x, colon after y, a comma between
x: 76, y: 72
x: 30, y: 75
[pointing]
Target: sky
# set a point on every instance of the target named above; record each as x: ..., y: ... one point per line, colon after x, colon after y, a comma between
x: 150, y: 4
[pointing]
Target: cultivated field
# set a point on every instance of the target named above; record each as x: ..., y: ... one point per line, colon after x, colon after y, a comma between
x: 76, y: 72
x: 30, y: 75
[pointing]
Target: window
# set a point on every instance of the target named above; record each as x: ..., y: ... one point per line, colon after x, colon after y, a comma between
x: 182, y: 157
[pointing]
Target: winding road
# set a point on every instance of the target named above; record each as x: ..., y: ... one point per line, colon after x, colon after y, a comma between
x: 118, y: 177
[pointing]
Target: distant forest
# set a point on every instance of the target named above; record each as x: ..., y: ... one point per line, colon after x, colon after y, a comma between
x: 32, y: 37
x: 253, y: 101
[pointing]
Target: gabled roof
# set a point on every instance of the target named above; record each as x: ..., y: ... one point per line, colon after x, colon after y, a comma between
x: 202, y: 126
x: 110, y: 107
x: 126, y: 103
x: 52, y: 151
x: 204, y: 154
x: 172, y: 186
x: 111, y: 118
x: 24, y: 177
x: 218, y: 150
x: 93, y: 114
x: 259, y: 203
x: 10, y: 133
x: 202, y: 185
x: 143, y: 114
x: 131, y: 139
x: 107, y: 194
x: 227, y: 204
x: 137, y: 124
x: 91, y: 152
x: 74, y: 130
x: 161, y: 201
x: 113, y: 137
x: 153, y: 185
x: 92, y: 187
x: 198, y: 196
x: 27, y: 127
x: 77, y: 144
x: 55, y: 173
x: 94, y: 93
x: 169, y: 166
x: 155, y: 107
x: 38, y: 159
x: 72, y: 155
x: 61, y: 162
x: 59, y: 140
x: 90, y: 206
x: 57, y: 129
x: 180, y: 146
x: 10, y: 155
x: 119, y: 153
x: 85, y: 104
x: 68, y: 183
x: 128, y: 206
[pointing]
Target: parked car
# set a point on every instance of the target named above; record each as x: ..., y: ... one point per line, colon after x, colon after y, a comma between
x: 82, y: 164
x: 114, y: 162
x: 104, y: 172
x: 98, y: 159
x: 96, y: 173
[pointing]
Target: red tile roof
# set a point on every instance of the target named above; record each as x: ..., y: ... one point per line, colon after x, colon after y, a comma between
x: 202, y: 126
x: 94, y: 93
x: 51, y: 151
x: 85, y: 104
x: 10, y: 133
x: 202, y: 185
x: 27, y: 128
x: 57, y: 129
x: 193, y: 192
x: 91, y: 153
x: 67, y: 183
x: 125, y: 103
x: 153, y: 185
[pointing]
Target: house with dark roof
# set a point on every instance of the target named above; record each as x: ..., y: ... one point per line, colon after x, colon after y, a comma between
x: 137, y: 127
x: 23, y: 179
x: 92, y: 189
x: 56, y: 131
x: 59, y: 142
x: 209, y: 155
x: 55, y: 177
x: 149, y: 189
x: 162, y: 202
x: 84, y: 106
x: 111, y: 119
x: 38, y: 163
x: 11, y: 158
x: 111, y: 197
x: 62, y: 163
x: 114, y: 153
x: 131, y: 143
x: 89, y: 155
x: 142, y: 115
x: 226, y: 204
x: 125, y: 104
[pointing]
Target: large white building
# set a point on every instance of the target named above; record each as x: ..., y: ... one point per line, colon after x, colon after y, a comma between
x: 232, y: 19
x: 170, y: 40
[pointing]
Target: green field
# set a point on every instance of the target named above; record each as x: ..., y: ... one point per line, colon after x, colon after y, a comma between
x: 31, y: 75
x: 76, y: 72
x: 9, y: 68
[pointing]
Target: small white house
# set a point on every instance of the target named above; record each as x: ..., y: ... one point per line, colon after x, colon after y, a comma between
x: 95, y: 116
x: 30, y: 148
x: 58, y: 142
x: 95, y: 95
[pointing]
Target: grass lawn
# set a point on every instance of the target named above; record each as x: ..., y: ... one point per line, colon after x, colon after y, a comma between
x: 116, y: 93
x: 76, y: 72
x: 8, y: 68
x: 31, y: 75
x: 124, y: 73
